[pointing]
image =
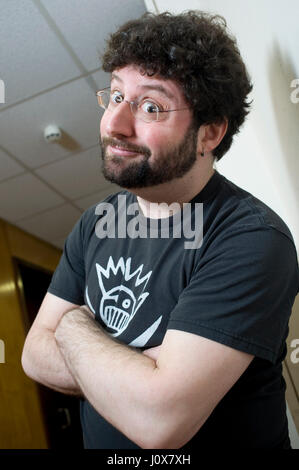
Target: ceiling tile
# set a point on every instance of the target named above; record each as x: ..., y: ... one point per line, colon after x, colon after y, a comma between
x: 24, y: 196
x: 88, y: 201
x: 8, y: 166
x: 44, y: 85
x: 76, y: 176
x: 86, y: 25
x: 52, y: 224
x: 32, y: 57
x: 73, y: 108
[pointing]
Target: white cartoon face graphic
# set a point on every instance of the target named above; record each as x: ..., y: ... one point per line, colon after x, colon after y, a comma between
x: 120, y: 303
x: 117, y: 307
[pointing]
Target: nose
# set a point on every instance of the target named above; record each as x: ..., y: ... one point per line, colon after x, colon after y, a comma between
x: 120, y: 121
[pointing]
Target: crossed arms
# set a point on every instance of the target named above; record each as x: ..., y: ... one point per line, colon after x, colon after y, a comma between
x: 166, y: 393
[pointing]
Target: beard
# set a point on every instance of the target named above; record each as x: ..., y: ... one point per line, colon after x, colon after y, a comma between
x: 172, y: 162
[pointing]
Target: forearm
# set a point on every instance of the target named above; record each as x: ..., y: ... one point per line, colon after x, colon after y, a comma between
x: 43, y: 362
x: 117, y: 380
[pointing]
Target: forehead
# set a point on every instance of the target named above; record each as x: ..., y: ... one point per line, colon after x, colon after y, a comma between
x: 132, y: 79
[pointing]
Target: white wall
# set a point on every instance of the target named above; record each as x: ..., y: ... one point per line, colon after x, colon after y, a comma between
x: 263, y: 158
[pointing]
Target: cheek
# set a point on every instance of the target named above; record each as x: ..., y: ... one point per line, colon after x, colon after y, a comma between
x: 103, y: 124
x: 158, y: 141
x: 154, y: 138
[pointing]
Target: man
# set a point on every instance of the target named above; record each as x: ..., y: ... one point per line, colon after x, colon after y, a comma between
x: 174, y: 346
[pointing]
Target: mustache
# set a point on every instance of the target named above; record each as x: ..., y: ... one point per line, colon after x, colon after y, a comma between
x: 105, y: 141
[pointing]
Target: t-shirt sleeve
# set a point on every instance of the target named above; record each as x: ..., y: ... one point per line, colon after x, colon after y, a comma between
x: 241, y: 292
x: 68, y: 280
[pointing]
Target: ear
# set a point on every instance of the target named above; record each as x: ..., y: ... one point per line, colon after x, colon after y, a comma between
x: 210, y: 135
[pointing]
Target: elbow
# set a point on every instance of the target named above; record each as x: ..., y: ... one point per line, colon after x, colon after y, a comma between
x: 171, y: 440
x: 162, y: 426
x: 163, y: 442
x: 168, y: 442
x: 166, y: 432
x: 26, y: 361
x: 173, y: 429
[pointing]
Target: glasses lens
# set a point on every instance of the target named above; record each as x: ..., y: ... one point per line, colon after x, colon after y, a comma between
x: 103, y: 99
x: 144, y: 112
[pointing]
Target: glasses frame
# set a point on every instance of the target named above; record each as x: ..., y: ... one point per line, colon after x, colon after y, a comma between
x: 134, y: 106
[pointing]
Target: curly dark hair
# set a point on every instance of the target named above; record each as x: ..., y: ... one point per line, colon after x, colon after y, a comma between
x: 194, y: 49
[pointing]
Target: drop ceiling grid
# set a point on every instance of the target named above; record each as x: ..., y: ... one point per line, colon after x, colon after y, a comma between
x: 71, y: 107
x: 32, y: 58
x: 50, y: 50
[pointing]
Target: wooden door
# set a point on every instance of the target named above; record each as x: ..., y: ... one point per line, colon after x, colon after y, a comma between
x: 31, y: 416
x: 60, y: 412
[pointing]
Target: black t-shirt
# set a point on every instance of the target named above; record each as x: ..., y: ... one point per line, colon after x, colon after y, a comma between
x: 224, y: 268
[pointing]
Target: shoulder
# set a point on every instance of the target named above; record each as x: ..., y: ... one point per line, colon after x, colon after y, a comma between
x: 244, y: 209
x: 245, y: 237
x: 90, y: 216
x: 235, y: 216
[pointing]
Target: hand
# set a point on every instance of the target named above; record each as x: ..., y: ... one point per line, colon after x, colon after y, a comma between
x: 153, y: 353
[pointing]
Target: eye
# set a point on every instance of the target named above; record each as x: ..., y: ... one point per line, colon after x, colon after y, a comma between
x: 126, y: 303
x: 149, y: 107
x: 116, y: 97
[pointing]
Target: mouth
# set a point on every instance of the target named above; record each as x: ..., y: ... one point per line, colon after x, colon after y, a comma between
x: 116, y: 150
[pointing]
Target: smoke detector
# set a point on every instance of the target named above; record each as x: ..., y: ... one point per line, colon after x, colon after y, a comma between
x: 52, y: 133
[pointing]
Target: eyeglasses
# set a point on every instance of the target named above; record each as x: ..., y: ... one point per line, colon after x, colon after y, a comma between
x: 144, y: 109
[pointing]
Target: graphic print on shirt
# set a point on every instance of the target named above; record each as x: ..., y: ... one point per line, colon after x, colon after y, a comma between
x: 122, y: 290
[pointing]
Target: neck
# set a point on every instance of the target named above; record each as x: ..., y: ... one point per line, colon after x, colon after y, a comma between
x: 174, y: 193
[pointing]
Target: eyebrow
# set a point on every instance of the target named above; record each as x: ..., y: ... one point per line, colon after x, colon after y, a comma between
x: 157, y: 87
